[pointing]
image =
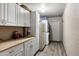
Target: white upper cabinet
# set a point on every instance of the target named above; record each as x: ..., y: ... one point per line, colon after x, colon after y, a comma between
x: 17, y: 15
x: 11, y: 14
x: 7, y: 14
x: 22, y: 16
x: 1, y: 13
x: 27, y: 18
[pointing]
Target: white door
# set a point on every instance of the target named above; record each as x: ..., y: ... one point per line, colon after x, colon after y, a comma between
x: 55, y: 26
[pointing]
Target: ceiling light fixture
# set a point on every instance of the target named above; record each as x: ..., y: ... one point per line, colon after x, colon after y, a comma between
x: 42, y: 8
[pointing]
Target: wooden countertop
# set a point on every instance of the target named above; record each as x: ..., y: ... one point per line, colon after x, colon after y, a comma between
x: 8, y: 44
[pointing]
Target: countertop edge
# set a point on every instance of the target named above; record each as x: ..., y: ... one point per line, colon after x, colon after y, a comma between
x: 22, y: 41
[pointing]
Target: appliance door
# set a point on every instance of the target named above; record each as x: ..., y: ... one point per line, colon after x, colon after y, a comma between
x: 42, y: 41
x: 44, y: 25
x: 46, y: 38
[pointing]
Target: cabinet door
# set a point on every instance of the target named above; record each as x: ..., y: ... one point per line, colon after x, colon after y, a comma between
x: 17, y: 7
x: 5, y: 53
x: 17, y: 49
x: 1, y: 13
x: 14, y: 51
x: 21, y: 19
x: 27, y: 18
x: 29, y: 48
x: 11, y: 14
x: 20, y: 54
x: 19, y: 15
x: 22, y: 16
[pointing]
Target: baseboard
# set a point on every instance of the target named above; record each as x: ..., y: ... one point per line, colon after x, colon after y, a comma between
x: 42, y: 49
x: 39, y: 50
x: 36, y: 53
x: 55, y: 41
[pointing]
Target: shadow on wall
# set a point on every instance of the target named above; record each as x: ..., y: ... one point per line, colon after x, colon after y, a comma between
x: 50, y: 33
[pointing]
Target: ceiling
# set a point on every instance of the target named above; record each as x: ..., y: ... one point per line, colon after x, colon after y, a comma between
x: 49, y: 9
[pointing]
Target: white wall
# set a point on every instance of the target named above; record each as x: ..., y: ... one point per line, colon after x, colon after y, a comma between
x: 57, y: 33
x: 71, y: 29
